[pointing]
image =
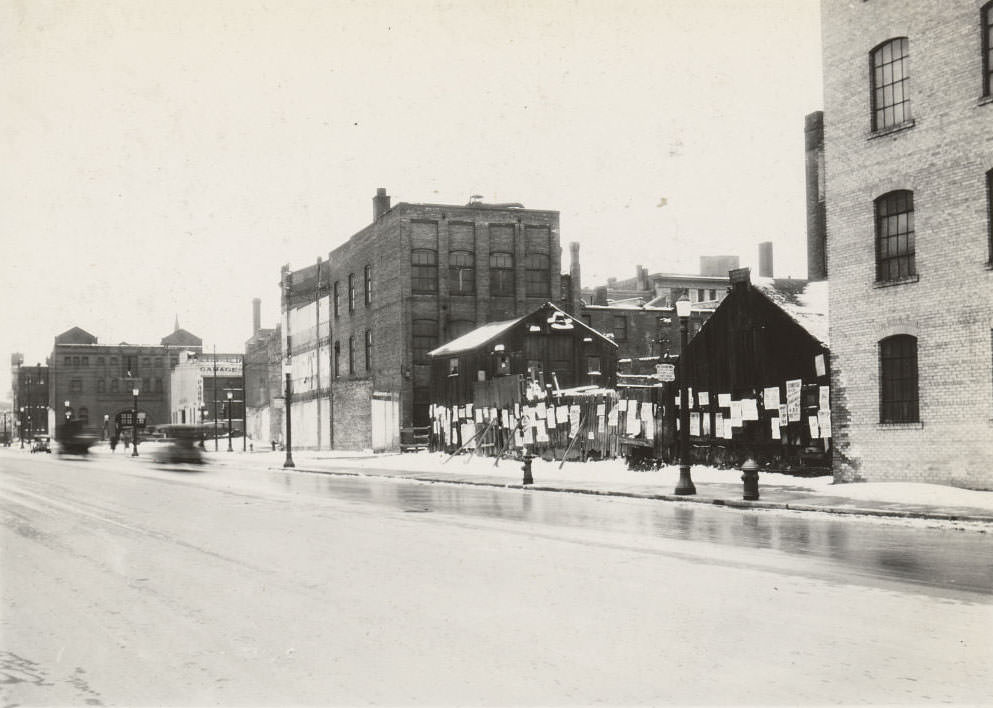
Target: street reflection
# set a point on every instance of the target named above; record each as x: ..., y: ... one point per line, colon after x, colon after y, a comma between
x: 929, y: 556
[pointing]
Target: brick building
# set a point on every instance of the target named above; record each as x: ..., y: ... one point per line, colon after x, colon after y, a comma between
x: 208, y: 388
x: 97, y: 379
x: 908, y: 156
x: 30, y: 397
x: 363, y: 322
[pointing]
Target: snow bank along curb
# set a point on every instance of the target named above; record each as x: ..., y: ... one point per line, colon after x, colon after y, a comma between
x: 731, y: 503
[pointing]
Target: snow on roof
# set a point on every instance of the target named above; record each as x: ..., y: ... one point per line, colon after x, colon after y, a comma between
x: 478, y: 336
x: 805, y: 302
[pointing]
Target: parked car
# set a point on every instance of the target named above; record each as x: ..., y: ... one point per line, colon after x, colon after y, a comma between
x: 41, y: 443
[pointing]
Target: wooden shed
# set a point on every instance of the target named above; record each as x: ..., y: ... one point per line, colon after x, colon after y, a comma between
x: 493, y: 364
x: 759, y: 377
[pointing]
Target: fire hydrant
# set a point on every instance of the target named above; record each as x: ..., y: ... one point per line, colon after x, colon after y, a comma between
x: 528, y: 479
x: 750, y: 476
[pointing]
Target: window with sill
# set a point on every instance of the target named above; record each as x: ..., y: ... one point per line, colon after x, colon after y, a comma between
x: 898, y: 380
x: 424, y: 271
x: 501, y: 274
x: 895, y: 248
x: 890, y: 76
x: 461, y: 273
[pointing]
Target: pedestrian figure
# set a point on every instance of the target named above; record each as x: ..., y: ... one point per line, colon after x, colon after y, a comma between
x: 113, y: 444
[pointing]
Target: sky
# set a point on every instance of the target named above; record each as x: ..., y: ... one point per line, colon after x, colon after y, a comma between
x: 162, y: 160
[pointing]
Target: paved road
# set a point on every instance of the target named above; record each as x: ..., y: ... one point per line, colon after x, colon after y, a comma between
x: 126, y: 584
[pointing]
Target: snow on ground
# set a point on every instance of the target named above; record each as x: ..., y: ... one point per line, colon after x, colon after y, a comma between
x: 605, y: 473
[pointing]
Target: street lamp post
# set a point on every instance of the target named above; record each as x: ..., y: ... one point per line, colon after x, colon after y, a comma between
x: 68, y: 411
x: 20, y: 425
x: 134, y: 423
x: 230, y: 397
x: 685, y: 484
x: 289, y: 424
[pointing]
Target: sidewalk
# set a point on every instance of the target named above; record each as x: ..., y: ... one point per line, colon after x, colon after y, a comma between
x: 713, y: 486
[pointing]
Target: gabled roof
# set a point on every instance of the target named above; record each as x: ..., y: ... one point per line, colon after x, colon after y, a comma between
x: 76, y: 335
x: 182, y: 338
x: 805, y: 302
x: 492, y: 330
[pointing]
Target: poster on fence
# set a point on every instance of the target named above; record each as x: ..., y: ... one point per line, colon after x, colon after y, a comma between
x: 825, y: 398
x: 562, y: 415
x: 633, y: 426
x: 539, y: 409
x: 824, y: 421
x: 468, y: 431
x: 724, y: 400
x: 815, y: 429
x: 704, y: 398
x: 601, y: 409
x: 646, y: 411
x: 728, y: 429
x: 749, y: 409
x: 735, y: 414
x: 574, y: 418
x: 793, y: 401
x: 541, y: 433
x: 774, y: 428
x: 612, y: 418
x: 695, y: 424
x: 770, y: 398
x: 705, y: 426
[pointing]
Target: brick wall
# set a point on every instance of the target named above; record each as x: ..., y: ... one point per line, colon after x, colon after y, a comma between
x: 942, y: 158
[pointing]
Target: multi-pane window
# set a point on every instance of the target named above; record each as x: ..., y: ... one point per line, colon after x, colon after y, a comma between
x: 987, y: 19
x: 537, y: 275
x: 76, y: 385
x: 424, y: 270
x: 337, y: 298
x: 368, y: 285
x: 620, y: 328
x: 351, y: 292
x: 502, y: 274
x: 424, y: 339
x: 100, y: 361
x: 368, y: 350
x: 989, y: 214
x: 351, y: 355
x: 461, y: 273
x: 101, y: 385
x: 337, y: 359
x: 895, y: 236
x: 68, y: 361
x: 898, y: 399
x: 891, y: 84
x: 593, y: 365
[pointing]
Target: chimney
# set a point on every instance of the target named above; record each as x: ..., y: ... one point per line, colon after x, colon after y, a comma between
x: 765, y: 259
x: 256, y: 315
x: 813, y: 129
x: 380, y: 203
x: 740, y: 278
x: 574, y: 276
x: 600, y: 295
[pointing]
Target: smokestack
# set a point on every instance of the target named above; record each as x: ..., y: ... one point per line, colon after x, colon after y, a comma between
x: 765, y: 259
x: 256, y: 315
x: 600, y: 295
x: 380, y: 203
x: 813, y: 129
x: 642, y: 276
x: 574, y: 276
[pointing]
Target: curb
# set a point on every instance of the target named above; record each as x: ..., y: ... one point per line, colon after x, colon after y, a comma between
x: 730, y: 503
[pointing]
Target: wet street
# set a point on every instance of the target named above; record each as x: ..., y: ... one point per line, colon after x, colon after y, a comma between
x: 128, y: 584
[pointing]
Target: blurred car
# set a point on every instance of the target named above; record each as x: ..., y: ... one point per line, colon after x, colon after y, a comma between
x: 180, y: 445
x: 72, y: 440
x: 41, y: 443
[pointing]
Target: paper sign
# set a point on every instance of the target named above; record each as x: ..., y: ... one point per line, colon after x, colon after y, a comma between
x: 633, y: 426
x: 825, y: 398
x: 705, y: 427
x: 612, y: 417
x: 479, y: 415
x: 573, y: 420
x: 601, y: 409
x: 541, y: 434
x: 469, y: 435
x: 601, y: 424
x: 622, y: 405
x: 589, y: 435
x: 704, y: 398
x: 774, y: 428
x: 824, y: 421
x: 719, y: 425
x: 695, y: 424
x: 528, y: 435
x: 724, y: 400
x: 689, y: 396
x: 793, y: 400
x: 646, y: 410
x: 539, y: 410
x: 562, y: 415
x: 749, y: 409
x: 735, y: 414
x: 550, y: 416
x: 650, y: 430
x: 819, y: 367
x: 728, y: 429
x: 815, y: 430
x: 770, y: 398
x: 782, y: 414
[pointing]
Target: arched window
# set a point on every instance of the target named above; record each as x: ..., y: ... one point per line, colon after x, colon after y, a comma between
x: 987, y: 25
x: 537, y: 275
x: 895, y: 236
x: 898, y: 393
x: 461, y: 273
x: 890, y: 63
x: 501, y: 274
x: 424, y: 270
